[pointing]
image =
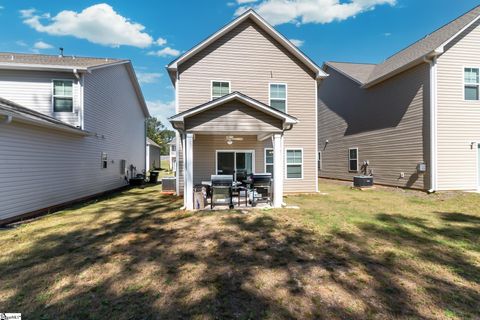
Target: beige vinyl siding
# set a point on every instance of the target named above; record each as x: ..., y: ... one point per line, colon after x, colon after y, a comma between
x: 42, y: 167
x: 33, y: 89
x: 386, y: 123
x: 250, y: 59
x: 233, y: 117
x: 458, y: 120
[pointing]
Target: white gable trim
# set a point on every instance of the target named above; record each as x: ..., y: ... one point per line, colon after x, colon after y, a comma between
x: 235, y: 96
x: 319, y: 73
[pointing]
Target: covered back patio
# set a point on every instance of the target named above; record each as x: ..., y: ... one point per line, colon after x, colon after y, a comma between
x: 233, y: 135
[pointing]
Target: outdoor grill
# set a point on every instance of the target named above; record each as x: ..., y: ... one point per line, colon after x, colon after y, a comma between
x: 221, y: 190
x: 261, y: 187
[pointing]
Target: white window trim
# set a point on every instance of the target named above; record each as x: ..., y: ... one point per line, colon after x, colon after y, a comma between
x: 54, y: 96
x: 211, y: 88
x: 358, y: 157
x: 286, y: 163
x: 235, y: 162
x: 470, y: 84
x: 102, y: 161
x: 265, y: 159
x: 286, y: 95
x: 320, y: 161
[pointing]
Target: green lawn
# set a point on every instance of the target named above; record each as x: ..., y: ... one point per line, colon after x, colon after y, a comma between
x: 346, y: 254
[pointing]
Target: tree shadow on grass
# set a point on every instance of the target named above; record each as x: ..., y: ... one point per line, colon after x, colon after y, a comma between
x: 151, y: 262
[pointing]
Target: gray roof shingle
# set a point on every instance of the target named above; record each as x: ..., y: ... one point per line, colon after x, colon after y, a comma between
x: 424, y: 46
x: 359, y: 72
x: 368, y: 74
x: 54, y: 60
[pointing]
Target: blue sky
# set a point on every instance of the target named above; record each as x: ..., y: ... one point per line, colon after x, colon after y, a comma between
x: 152, y: 33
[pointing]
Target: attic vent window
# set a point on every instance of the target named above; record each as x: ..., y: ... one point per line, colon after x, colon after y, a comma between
x: 471, y: 83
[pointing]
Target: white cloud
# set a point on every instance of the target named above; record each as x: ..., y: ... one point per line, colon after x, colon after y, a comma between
x: 297, y: 42
x: 161, y: 42
x: 245, y: 1
x: 312, y: 11
x: 162, y: 110
x: 21, y: 43
x: 165, y: 52
x: 148, y: 77
x: 40, y: 45
x: 387, y: 34
x: 99, y: 24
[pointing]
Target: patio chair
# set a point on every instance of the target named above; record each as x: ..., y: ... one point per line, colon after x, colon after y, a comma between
x: 221, y: 189
x: 260, y: 188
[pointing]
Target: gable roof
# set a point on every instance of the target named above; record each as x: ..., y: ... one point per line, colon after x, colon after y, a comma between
x: 43, y: 62
x: 358, y: 72
x: 431, y: 45
x: 286, y: 118
x: 172, y: 67
x: 22, y: 114
x: 150, y: 142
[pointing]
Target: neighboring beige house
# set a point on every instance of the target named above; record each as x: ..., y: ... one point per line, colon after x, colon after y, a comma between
x: 246, y: 99
x: 415, y: 117
x: 70, y: 128
x: 153, y: 155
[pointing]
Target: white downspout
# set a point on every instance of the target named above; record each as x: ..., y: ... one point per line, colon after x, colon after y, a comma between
x: 433, y: 123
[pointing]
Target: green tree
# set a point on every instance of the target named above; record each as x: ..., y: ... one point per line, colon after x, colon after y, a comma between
x: 157, y: 131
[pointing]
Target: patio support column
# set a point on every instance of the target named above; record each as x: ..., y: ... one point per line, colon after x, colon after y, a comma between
x: 188, y: 194
x: 278, y: 170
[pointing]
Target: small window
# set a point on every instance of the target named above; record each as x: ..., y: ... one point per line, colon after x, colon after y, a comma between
x: 353, y: 159
x: 294, y: 164
x: 220, y: 88
x: 104, y: 160
x: 472, y: 82
x: 62, y: 96
x: 278, y: 96
x: 269, y: 161
x: 320, y: 164
x: 174, y: 148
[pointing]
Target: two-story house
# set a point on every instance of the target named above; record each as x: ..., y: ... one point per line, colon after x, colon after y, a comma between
x: 70, y: 128
x: 412, y: 120
x: 246, y: 100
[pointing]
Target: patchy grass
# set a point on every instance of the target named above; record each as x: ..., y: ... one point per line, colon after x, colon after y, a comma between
x: 380, y: 254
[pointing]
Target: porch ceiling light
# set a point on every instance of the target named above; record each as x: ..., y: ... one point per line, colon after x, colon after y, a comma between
x: 230, y: 139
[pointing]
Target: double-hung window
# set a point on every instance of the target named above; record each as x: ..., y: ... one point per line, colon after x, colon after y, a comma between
x: 353, y: 159
x: 62, y: 96
x: 472, y: 82
x: 220, y: 89
x: 278, y: 96
x: 269, y: 160
x: 294, y: 163
x: 104, y: 160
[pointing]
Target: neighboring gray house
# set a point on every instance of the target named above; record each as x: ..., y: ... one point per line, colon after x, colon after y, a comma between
x: 153, y: 154
x: 415, y: 117
x: 246, y: 100
x: 70, y: 128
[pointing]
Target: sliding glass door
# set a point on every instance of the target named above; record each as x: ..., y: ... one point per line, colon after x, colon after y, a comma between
x: 238, y: 163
